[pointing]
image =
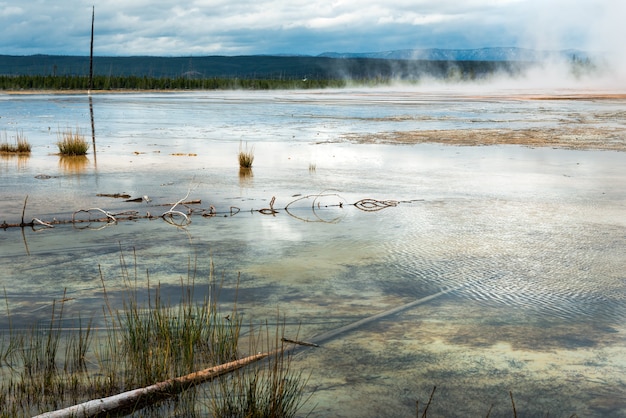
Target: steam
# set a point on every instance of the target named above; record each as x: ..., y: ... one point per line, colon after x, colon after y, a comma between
x: 580, y: 44
x: 594, y: 27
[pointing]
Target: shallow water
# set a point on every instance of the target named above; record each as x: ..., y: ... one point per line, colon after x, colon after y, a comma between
x: 529, y: 240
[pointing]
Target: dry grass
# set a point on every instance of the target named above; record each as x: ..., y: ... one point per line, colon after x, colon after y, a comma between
x: 72, y: 143
x: 246, y: 156
x: 21, y: 145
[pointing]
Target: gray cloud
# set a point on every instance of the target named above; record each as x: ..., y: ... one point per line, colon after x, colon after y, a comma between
x: 226, y: 27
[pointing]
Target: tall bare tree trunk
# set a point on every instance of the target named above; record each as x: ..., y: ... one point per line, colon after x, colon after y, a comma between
x: 93, y: 15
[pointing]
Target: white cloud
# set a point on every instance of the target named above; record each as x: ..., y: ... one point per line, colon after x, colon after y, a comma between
x: 10, y: 11
x: 417, y: 19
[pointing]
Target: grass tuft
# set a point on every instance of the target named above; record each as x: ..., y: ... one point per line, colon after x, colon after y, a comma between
x: 72, y: 143
x: 268, y: 389
x: 21, y: 146
x: 246, y: 156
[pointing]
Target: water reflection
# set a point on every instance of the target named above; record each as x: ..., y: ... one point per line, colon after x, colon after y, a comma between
x: 21, y: 160
x: 324, y: 207
x: 245, y: 177
x: 73, y: 164
x: 93, y: 132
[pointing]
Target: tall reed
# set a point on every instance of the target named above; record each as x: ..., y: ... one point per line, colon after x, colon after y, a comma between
x: 146, y: 339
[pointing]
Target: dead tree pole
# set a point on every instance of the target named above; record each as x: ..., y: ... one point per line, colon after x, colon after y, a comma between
x: 93, y: 15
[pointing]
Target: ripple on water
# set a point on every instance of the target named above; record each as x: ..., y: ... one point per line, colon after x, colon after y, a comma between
x: 511, y: 254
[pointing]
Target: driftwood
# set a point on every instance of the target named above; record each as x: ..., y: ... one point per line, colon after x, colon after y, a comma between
x: 138, y: 398
x: 182, y: 219
x: 114, y: 195
x: 171, y: 215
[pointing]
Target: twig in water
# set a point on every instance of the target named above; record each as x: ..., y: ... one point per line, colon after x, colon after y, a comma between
x: 212, y: 212
x: 169, y: 215
x: 315, y: 205
x: 373, y: 205
x: 304, y: 343
x: 24, y: 209
x: 169, y: 218
x: 107, y: 214
x: 271, y: 210
x: 188, y: 202
x: 513, y: 403
x: 429, y: 401
x: 40, y: 222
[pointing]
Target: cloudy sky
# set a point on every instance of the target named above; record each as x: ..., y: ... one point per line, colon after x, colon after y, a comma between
x: 239, y: 27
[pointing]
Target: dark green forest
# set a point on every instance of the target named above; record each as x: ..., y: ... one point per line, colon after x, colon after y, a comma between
x: 77, y: 82
x: 216, y: 72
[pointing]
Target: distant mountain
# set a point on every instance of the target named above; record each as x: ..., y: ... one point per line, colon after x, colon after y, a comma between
x: 481, y: 54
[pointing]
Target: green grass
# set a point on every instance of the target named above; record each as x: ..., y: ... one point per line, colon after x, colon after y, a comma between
x: 267, y: 389
x: 72, y: 143
x: 147, y: 339
x: 246, y: 156
x: 21, y: 145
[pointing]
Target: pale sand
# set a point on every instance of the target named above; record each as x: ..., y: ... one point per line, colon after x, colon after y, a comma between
x: 593, y: 132
x: 598, y: 138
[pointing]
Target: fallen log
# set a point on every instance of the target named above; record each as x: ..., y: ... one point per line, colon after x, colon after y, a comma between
x: 318, y: 339
x: 136, y: 399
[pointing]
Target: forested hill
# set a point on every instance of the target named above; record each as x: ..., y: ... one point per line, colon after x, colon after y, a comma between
x: 252, y: 67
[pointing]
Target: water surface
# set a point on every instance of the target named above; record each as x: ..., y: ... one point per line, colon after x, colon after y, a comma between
x: 530, y: 241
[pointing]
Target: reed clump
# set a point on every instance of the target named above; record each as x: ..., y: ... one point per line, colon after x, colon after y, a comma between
x: 146, y: 339
x: 268, y: 389
x: 72, y: 143
x: 246, y: 156
x: 20, y: 146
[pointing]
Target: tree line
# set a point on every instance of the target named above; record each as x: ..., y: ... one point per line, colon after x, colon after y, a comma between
x: 241, y: 72
x: 100, y: 82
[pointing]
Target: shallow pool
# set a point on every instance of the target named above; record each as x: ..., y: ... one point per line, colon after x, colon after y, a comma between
x: 529, y: 242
